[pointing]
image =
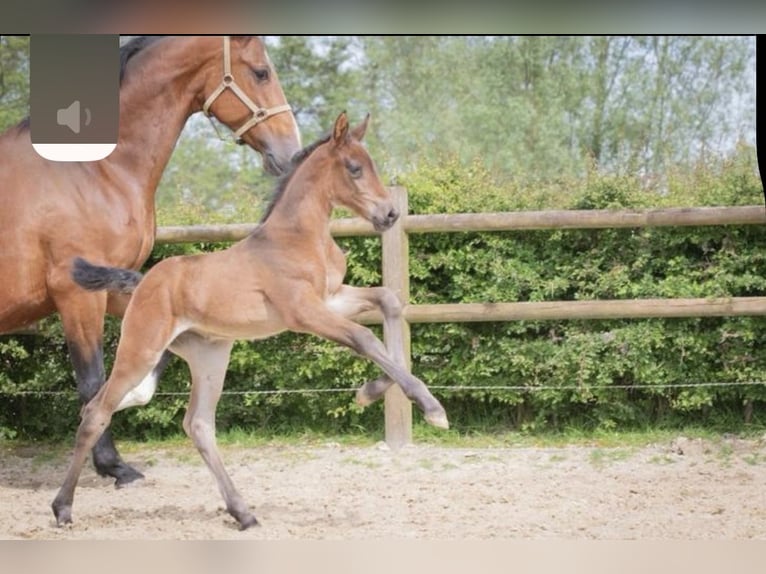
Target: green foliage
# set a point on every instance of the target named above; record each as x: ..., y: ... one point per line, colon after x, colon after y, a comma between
x: 32, y: 367
x: 14, y: 79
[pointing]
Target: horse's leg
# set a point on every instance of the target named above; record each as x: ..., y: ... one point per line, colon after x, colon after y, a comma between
x: 350, y: 301
x: 82, y: 317
x: 310, y: 314
x: 208, y: 361
x: 140, y: 350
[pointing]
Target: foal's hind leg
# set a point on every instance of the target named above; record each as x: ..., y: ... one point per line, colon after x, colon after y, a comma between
x: 143, y: 340
x: 96, y: 416
x: 82, y: 316
x: 208, y: 361
x: 142, y: 394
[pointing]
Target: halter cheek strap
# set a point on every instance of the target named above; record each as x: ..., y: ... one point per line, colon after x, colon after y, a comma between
x: 228, y: 83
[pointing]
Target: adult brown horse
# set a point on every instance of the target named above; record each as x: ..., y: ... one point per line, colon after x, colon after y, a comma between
x: 287, y: 274
x: 105, y: 210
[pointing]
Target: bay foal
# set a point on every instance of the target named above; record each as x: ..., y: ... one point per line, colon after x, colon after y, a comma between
x: 286, y: 275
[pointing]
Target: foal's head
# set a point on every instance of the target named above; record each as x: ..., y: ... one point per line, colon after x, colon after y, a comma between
x: 356, y: 184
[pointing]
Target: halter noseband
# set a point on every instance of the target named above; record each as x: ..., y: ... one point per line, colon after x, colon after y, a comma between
x: 228, y: 82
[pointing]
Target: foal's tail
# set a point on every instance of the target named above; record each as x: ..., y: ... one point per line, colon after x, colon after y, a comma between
x: 97, y: 278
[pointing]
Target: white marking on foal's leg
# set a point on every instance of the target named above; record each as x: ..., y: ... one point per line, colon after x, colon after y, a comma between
x: 141, y: 394
x: 346, y: 305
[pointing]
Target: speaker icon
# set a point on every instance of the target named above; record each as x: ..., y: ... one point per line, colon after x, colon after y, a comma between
x: 70, y: 117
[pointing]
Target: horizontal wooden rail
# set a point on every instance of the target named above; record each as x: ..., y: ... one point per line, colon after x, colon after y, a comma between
x: 562, y: 310
x: 586, y: 219
x: 506, y: 221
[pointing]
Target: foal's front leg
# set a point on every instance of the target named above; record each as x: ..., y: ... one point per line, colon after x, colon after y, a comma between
x: 351, y: 301
x: 312, y: 315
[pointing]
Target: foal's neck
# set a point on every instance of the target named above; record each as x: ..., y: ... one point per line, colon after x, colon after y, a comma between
x: 305, y: 206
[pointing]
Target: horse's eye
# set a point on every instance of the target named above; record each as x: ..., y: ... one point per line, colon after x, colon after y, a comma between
x: 261, y: 74
x: 354, y: 169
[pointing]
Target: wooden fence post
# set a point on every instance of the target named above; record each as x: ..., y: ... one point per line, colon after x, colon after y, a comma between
x: 396, y: 276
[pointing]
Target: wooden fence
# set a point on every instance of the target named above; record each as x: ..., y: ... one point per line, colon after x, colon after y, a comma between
x: 398, y: 409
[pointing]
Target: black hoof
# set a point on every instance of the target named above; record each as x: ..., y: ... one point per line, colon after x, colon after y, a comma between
x: 122, y: 473
x: 127, y: 477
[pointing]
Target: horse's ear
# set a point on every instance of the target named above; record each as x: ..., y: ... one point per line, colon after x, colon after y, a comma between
x: 358, y: 132
x: 340, y: 131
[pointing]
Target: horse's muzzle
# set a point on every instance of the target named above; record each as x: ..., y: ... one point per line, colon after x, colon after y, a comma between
x: 274, y: 166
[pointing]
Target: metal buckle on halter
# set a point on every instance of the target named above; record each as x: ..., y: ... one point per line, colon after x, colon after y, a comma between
x: 259, y: 114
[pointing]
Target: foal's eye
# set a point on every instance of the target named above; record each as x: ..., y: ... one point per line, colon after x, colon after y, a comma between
x: 261, y: 74
x: 354, y: 169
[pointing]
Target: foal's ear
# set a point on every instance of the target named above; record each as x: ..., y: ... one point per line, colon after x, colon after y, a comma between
x: 358, y: 132
x: 340, y: 131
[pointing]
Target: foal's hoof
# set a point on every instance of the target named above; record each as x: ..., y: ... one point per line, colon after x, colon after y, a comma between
x: 371, y: 391
x: 362, y: 398
x: 437, y: 419
x: 63, y: 513
x: 248, y: 521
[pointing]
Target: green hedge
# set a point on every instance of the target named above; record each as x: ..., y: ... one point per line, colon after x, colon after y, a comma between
x: 586, y: 374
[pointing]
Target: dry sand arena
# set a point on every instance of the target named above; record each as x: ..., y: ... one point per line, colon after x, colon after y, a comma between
x: 684, y: 489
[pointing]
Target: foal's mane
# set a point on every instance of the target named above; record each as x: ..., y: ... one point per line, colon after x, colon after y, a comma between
x: 298, y: 158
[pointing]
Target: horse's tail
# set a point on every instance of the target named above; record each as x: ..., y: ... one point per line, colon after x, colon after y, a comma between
x: 97, y: 278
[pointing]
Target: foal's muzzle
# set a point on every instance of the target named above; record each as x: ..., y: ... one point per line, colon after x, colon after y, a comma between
x: 384, y: 221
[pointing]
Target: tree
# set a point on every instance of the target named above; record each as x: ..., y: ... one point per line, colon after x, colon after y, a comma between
x: 14, y: 79
x: 535, y: 108
x: 320, y: 77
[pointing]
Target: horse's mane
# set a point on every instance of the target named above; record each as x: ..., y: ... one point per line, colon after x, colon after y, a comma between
x: 133, y: 47
x: 298, y: 158
x: 127, y: 51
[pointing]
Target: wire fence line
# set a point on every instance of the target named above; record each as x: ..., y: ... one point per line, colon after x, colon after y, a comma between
x: 438, y: 388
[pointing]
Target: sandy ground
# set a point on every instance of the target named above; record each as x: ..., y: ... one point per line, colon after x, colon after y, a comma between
x: 684, y: 489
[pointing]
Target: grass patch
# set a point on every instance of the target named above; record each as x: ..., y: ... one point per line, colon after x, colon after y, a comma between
x: 754, y: 458
x: 601, y: 457
x: 662, y: 459
x: 489, y: 438
x: 371, y: 464
x: 601, y: 440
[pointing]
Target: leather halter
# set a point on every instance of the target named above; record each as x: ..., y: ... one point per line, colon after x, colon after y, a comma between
x: 259, y: 114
